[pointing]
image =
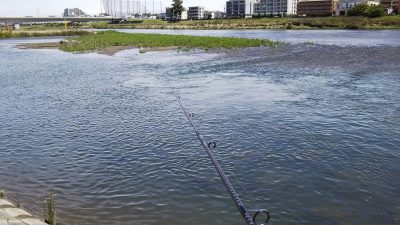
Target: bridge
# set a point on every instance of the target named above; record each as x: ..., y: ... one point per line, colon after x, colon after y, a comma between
x: 22, y: 20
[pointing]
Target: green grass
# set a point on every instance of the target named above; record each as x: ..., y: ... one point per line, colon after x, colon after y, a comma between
x: 49, y: 210
x: 102, y: 40
x: 24, y: 34
x: 152, y: 22
x: 48, y: 26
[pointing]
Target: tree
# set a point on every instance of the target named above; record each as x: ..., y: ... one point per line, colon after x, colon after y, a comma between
x: 367, y: 10
x: 375, y: 11
x: 358, y: 10
x: 177, y: 9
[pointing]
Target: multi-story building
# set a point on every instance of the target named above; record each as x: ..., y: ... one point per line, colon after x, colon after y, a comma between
x: 184, y: 15
x: 214, y: 15
x: 196, y: 13
x: 73, y: 13
x: 317, y: 7
x: 276, y: 7
x: 240, y: 8
x: 345, y: 5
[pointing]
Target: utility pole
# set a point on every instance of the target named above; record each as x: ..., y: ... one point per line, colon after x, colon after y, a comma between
x: 114, y: 10
x: 120, y: 9
x: 145, y: 6
x: 127, y: 8
x: 108, y: 8
x: 153, y: 7
x: 391, y: 5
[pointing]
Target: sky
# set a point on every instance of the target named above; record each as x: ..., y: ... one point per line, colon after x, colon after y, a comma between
x: 56, y: 7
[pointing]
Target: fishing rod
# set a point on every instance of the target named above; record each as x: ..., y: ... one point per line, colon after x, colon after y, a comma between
x: 249, y: 219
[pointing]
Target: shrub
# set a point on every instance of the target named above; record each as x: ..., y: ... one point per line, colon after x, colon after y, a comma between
x: 99, y: 25
x: 367, y: 10
x: 375, y: 11
x: 358, y: 10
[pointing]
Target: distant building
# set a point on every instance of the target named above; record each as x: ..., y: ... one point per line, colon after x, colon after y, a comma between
x: 162, y: 16
x: 276, y: 7
x: 240, y: 8
x: 73, y: 13
x: 391, y: 5
x: 317, y: 7
x: 345, y: 5
x: 184, y: 15
x: 214, y: 15
x: 196, y: 13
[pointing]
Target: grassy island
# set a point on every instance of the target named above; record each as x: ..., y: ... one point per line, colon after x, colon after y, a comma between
x: 106, y: 39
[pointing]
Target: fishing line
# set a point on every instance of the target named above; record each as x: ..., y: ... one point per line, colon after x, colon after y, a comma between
x: 247, y: 216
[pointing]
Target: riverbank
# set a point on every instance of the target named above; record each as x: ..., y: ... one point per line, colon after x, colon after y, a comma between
x: 386, y: 22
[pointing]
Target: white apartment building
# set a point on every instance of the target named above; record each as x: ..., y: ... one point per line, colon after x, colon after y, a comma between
x: 184, y: 15
x: 196, y: 13
x: 240, y: 8
x: 75, y: 12
x: 276, y: 7
x: 214, y: 15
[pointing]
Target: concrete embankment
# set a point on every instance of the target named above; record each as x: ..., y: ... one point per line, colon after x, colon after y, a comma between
x: 10, y: 214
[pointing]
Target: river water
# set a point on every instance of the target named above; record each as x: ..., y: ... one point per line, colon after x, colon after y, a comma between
x: 310, y: 132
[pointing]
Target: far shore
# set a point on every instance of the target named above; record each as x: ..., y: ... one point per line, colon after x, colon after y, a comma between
x: 269, y: 23
x: 285, y: 23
